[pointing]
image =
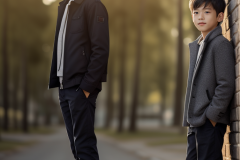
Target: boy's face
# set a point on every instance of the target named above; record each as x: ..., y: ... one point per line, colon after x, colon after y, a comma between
x: 206, y: 19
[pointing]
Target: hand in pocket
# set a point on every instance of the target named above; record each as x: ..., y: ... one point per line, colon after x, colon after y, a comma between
x: 213, y: 123
x: 86, y: 93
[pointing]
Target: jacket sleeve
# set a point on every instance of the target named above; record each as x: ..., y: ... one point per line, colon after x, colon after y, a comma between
x: 224, y: 62
x: 97, y: 20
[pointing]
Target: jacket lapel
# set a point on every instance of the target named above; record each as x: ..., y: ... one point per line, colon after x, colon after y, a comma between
x: 193, y: 57
x: 61, y: 8
x: 199, y: 61
x: 194, y: 47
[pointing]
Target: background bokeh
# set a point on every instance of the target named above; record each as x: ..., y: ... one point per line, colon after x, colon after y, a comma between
x: 142, y: 102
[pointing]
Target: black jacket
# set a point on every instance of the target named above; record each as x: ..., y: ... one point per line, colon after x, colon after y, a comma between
x: 86, y: 46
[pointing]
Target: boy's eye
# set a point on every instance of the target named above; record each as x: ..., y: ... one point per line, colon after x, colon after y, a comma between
x: 207, y: 12
x: 195, y: 12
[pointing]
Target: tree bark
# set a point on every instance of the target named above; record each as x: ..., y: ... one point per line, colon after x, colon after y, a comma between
x: 109, y: 109
x: 5, y: 65
x: 15, y: 98
x: 134, y: 106
x: 179, y: 78
x: 122, y: 70
x: 25, y: 126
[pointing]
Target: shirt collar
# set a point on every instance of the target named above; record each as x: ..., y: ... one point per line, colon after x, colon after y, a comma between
x: 201, y: 40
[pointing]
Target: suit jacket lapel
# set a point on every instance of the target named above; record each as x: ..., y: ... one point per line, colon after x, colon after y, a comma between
x: 200, y: 58
x: 214, y: 33
x: 61, y: 7
x: 194, y: 47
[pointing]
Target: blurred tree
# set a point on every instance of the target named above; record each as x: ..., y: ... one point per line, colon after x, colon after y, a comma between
x: 109, y: 109
x: 25, y: 80
x: 26, y: 45
x: 14, y: 69
x: 179, y: 78
x: 165, y: 72
x: 136, y: 80
x: 5, y: 65
x: 114, y: 44
x: 122, y: 53
x: 15, y: 99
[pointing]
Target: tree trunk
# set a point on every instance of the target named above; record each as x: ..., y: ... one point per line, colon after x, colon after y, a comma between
x: 179, y: 79
x: 109, y: 109
x: 25, y: 126
x: 15, y: 98
x: 122, y: 70
x: 134, y: 106
x: 110, y: 92
x: 36, y: 117
x: 5, y: 65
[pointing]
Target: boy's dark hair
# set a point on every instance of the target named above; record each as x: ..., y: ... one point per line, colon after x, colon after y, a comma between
x: 218, y: 5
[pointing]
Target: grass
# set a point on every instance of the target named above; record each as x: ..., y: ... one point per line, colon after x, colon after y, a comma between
x: 39, y: 130
x: 151, y: 138
x: 179, y: 139
x: 6, y: 145
x: 134, y: 135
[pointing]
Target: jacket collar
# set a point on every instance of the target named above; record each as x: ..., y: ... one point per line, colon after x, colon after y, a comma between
x: 66, y: 1
x: 194, y: 46
x: 211, y: 35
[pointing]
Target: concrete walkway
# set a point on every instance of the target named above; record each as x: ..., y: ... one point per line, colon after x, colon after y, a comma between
x: 56, y: 147
x: 165, y: 152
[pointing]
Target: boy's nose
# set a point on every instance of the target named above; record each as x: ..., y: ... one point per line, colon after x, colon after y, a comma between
x: 201, y: 16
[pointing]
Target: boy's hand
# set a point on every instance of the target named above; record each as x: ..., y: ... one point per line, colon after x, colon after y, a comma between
x: 86, y: 93
x: 213, y: 123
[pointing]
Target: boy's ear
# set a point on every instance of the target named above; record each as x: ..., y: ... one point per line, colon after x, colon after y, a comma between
x: 220, y: 17
x: 192, y: 17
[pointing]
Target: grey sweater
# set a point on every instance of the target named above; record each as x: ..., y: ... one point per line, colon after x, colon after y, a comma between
x: 211, y: 81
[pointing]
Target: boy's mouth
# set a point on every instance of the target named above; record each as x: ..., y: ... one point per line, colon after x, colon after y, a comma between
x: 201, y: 23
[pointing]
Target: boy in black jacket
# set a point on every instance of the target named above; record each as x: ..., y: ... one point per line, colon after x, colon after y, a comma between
x: 79, y: 66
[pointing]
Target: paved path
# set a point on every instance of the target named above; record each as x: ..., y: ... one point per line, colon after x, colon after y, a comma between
x: 139, y: 148
x: 56, y: 147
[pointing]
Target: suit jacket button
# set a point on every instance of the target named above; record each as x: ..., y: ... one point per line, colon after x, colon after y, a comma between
x: 193, y: 96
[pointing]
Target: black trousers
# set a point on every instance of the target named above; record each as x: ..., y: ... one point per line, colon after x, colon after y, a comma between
x: 78, y: 113
x: 205, y: 142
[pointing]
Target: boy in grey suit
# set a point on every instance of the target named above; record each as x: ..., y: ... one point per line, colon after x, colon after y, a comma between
x: 211, y: 82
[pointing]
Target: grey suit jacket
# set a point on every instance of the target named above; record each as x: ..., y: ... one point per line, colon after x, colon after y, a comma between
x: 211, y: 82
